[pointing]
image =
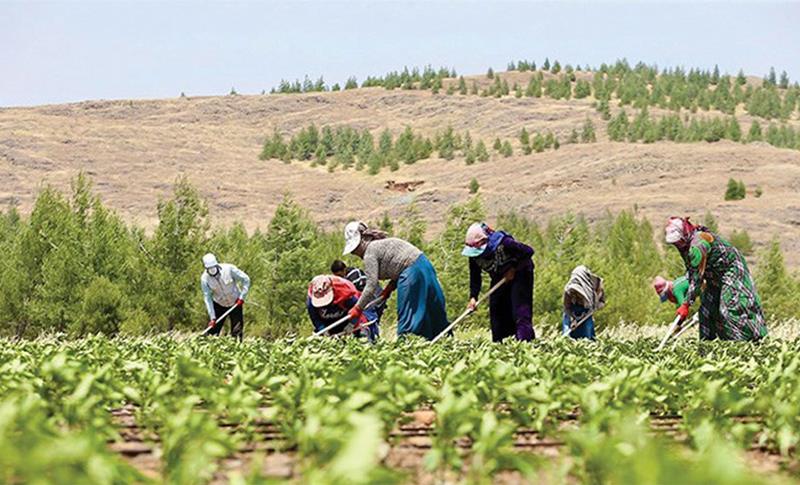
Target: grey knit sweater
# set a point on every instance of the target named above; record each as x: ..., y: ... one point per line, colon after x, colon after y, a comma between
x: 385, y: 259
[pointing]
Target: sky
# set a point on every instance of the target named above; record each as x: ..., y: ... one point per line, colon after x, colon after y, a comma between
x: 54, y: 52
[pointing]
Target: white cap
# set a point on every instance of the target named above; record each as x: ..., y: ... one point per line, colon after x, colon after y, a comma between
x: 209, y: 261
x: 352, y: 236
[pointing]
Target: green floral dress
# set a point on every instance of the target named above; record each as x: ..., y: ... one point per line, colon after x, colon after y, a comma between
x: 730, y: 308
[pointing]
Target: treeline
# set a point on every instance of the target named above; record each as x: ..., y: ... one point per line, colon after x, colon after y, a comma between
x: 649, y: 129
x: 644, y: 86
x: 345, y: 147
x: 426, y: 78
x: 639, y: 86
x: 74, y: 266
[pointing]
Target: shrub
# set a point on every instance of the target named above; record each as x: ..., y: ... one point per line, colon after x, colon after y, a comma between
x: 103, y: 308
x: 474, y: 186
x: 735, y: 190
x: 741, y: 240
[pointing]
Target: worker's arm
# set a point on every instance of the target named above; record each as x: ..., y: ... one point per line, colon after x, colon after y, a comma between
x: 696, y: 267
x: 244, y: 280
x: 208, y: 298
x: 313, y: 314
x: 475, y: 279
x: 371, y: 269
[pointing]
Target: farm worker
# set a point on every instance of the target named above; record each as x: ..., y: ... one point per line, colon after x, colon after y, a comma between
x: 499, y: 255
x: 730, y: 308
x: 673, y: 291
x: 420, y: 300
x: 221, y: 283
x: 583, y: 296
x: 330, y: 298
x: 358, y: 278
x: 355, y: 275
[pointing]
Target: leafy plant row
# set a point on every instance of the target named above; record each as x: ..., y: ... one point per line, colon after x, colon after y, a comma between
x: 335, y: 403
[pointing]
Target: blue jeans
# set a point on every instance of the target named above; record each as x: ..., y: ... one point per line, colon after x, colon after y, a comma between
x: 586, y: 330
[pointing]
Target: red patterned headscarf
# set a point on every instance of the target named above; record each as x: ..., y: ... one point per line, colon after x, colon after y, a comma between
x: 679, y: 231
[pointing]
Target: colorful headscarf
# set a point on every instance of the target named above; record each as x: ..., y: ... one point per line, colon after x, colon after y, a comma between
x: 679, y: 231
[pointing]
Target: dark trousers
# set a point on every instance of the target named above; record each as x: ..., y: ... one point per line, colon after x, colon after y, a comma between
x: 511, y: 307
x: 236, y: 317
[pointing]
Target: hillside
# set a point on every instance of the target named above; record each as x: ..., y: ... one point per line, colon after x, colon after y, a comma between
x: 135, y: 149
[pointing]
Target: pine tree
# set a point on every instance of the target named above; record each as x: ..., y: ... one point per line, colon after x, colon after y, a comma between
x: 755, y: 132
x: 497, y: 145
x: 374, y: 164
x: 741, y: 80
x: 772, y: 78
x: 582, y: 89
x: 481, y: 153
x: 524, y: 137
x: 462, y: 85
x: 352, y: 83
x: 546, y: 64
x: 490, y: 73
x: 573, y: 136
x: 588, y: 134
x: 784, y: 82
x: 735, y: 190
x: 733, y: 131
x: 474, y: 186
x: 556, y: 68
x: 715, y: 75
x: 618, y: 127
x: 506, y: 150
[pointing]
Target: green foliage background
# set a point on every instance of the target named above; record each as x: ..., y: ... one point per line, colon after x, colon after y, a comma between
x: 73, y: 266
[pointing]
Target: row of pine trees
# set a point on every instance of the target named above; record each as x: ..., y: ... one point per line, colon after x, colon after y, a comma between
x: 74, y: 266
x: 639, y: 86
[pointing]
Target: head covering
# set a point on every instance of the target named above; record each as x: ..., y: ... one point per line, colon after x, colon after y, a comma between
x: 321, y: 291
x: 585, y: 287
x: 357, y: 277
x: 476, y: 240
x: 662, y: 287
x: 679, y: 231
x: 209, y: 261
x: 352, y: 235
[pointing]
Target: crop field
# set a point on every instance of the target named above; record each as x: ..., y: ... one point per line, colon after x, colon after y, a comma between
x: 186, y: 410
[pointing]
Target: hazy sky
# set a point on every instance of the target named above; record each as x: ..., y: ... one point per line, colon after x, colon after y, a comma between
x: 69, y: 51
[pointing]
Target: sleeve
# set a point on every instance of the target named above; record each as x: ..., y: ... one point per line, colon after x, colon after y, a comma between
x: 370, y: 293
x: 696, y: 267
x: 522, y: 251
x: 241, y: 277
x: 680, y: 288
x: 475, y: 279
x: 313, y: 314
x: 208, y: 299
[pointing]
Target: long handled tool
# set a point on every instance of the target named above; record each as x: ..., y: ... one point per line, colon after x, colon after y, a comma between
x: 577, y: 323
x: 219, y: 320
x: 355, y: 328
x: 695, y: 319
x: 671, y: 331
x: 469, y: 311
x: 346, y: 317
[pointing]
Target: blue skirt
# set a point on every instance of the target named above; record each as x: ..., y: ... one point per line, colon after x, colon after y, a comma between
x: 586, y: 330
x: 420, y: 301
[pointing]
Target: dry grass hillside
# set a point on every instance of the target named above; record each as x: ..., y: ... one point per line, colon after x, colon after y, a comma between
x: 134, y: 150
